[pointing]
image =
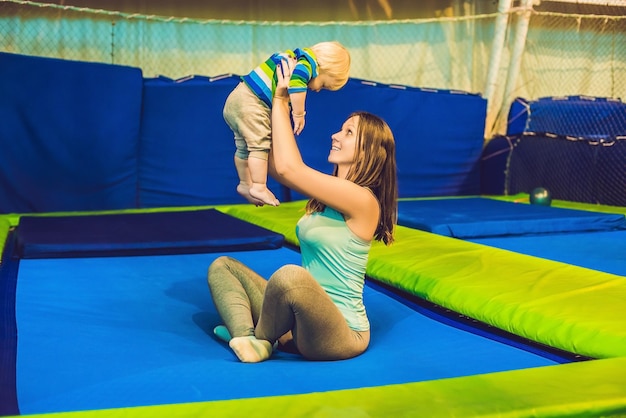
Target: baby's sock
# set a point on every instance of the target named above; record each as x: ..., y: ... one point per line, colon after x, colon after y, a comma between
x: 249, y: 349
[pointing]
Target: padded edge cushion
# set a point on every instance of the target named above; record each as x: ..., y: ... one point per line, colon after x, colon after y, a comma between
x: 282, y: 219
x: 479, y: 217
x: 592, y: 388
x: 567, y: 307
x: 139, y: 233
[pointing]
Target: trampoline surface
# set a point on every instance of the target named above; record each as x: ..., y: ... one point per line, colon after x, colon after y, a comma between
x: 136, y: 331
x: 128, y: 331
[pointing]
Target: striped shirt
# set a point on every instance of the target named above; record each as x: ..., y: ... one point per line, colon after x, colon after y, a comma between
x: 262, y: 80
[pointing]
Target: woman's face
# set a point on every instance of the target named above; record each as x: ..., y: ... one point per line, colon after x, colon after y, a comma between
x: 343, y: 147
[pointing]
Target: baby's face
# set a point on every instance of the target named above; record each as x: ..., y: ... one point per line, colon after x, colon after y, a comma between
x: 322, y: 81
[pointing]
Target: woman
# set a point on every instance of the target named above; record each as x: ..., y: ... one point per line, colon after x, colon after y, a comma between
x: 317, y: 307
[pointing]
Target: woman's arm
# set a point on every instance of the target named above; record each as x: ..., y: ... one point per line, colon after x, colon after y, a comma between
x: 355, y: 202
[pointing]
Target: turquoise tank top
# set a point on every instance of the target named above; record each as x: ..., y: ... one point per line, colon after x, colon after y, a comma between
x: 337, y: 259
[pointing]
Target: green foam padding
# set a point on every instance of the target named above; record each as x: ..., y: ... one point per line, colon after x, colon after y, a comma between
x: 280, y: 219
x: 566, y: 307
x: 584, y: 389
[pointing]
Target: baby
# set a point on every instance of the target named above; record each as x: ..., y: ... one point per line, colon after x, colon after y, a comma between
x: 247, y: 110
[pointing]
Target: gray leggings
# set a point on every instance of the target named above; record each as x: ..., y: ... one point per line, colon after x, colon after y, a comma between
x: 291, y: 307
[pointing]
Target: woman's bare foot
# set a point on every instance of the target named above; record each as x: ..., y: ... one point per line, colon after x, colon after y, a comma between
x: 260, y: 192
x: 251, y: 350
x: 244, y: 190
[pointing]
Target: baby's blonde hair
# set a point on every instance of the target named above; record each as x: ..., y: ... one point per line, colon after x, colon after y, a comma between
x: 334, y: 60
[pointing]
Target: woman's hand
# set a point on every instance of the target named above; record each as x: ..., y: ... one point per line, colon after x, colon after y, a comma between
x: 284, y: 70
x: 285, y: 158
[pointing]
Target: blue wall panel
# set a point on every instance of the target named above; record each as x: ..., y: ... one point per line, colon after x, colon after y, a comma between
x: 68, y: 136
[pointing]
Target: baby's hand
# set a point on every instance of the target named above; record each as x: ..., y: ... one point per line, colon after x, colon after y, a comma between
x: 298, y: 123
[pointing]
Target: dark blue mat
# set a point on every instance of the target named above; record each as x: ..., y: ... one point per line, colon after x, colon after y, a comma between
x: 481, y: 217
x: 126, y: 331
x: 139, y: 233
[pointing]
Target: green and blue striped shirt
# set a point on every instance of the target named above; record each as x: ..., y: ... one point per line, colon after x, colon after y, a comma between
x: 262, y: 80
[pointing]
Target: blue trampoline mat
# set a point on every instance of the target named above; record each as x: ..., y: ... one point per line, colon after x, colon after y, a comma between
x: 114, y: 332
x: 601, y: 251
x: 475, y: 217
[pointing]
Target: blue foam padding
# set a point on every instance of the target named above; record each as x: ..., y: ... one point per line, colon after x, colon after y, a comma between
x: 80, y: 136
x: 186, y: 148
x: 479, y: 217
x: 439, y: 133
x: 578, y: 116
x: 601, y: 250
x: 68, y: 135
x: 127, y: 331
x: 493, y: 166
x: 139, y: 233
x: 518, y: 116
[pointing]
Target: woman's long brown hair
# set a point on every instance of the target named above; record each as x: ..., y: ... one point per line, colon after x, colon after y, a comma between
x: 375, y: 168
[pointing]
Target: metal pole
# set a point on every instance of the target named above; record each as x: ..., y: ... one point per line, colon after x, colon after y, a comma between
x: 521, y: 32
x: 504, y: 6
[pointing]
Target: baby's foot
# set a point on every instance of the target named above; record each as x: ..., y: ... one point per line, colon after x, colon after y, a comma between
x: 261, y: 192
x: 244, y: 191
x: 251, y: 350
